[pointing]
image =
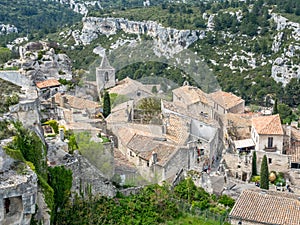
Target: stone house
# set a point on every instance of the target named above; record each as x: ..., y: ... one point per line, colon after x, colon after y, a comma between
x: 265, y: 207
x: 155, y: 157
x: 132, y: 89
x: 48, y: 88
x: 267, y: 133
x: 205, y: 137
x: 192, y: 99
x: 224, y: 102
x: 74, y: 109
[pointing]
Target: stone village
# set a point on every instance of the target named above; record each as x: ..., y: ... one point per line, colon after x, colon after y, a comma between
x: 210, y: 136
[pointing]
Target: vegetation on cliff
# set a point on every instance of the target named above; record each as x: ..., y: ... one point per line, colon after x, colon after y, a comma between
x: 152, y: 205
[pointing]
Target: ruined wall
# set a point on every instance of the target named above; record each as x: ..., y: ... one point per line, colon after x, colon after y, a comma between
x: 18, y: 192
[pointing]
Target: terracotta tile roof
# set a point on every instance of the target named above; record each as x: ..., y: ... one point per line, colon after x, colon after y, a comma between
x: 190, y: 95
x: 177, y: 130
x: 144, y: 146
x: 268, y: 125
x: 126, y: 133
x: 47, y: 83
x: 225, y: 99
x: 75, y: 102
x: 269, y: 208
x: 128, y: 86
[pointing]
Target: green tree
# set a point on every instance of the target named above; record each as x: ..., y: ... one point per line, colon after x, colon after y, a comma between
x: 264, y: 174
x: 106, y: 105
x: 60, y: 179
x: 254, y: 166
x: 275, y: 107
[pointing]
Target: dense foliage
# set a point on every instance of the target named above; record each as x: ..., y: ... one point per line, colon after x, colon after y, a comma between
x: 8, y: 95
x: 153, y: 205
x: 264, y: 174
x: 60, y: 179
x: 55, y: 182
x: 97, y: 154
x: 36, y: 18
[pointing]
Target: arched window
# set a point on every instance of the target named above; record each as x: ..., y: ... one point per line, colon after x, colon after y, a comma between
x: 106, y: 78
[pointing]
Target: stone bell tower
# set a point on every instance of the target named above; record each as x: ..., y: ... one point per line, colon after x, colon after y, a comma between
x: 105, y: 75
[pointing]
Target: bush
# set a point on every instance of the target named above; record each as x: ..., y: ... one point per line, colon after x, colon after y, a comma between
x: 54, y: 124
x: 226, y: 200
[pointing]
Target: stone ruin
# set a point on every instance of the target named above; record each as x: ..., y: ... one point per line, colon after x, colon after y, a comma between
x: 18, y: 191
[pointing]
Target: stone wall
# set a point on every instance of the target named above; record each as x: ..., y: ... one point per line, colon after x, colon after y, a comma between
x: 243, y: 222
x: 276, y: 161
x: 178, y: 160
x: 15, y: 78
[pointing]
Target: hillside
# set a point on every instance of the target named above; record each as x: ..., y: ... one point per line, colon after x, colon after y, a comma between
x: 253, y: 48
x: 34, y: 18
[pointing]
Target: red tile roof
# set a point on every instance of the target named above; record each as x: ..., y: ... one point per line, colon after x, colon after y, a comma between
x: 47, y: 83
x: 75, y: 102
x: 268, y: 125
x: 269, y: 207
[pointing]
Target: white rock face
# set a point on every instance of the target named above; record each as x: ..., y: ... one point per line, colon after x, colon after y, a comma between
x: 284, y: 68
x: 7, y: 29
x: 80, y: 6
x: 38, y: 61
x: 93, y: 26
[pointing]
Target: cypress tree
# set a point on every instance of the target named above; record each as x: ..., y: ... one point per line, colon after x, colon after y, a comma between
x: 106, y: 105
x: 275, y: 107
x: 264, y: 174
x: 254, y: 168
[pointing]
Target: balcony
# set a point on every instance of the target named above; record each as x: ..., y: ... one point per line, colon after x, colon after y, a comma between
x: 270, y: 149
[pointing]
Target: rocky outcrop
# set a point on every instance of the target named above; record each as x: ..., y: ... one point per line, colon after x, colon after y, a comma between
x: 80, y: 6
x: 286, y: 66
x: 7, y: 29
x: 93, y: 26
x: 18, y: 191
x: 40, y: 61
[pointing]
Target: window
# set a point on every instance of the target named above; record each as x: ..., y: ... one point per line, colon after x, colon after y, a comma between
x: 148, y: 163
x: 270, y: 160
x: 106, y: 78
x: 270, y: 142
x: 6, y: 205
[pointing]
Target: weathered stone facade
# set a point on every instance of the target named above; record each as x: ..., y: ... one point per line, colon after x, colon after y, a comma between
x: 18, y: 192
x: 105, y: 75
